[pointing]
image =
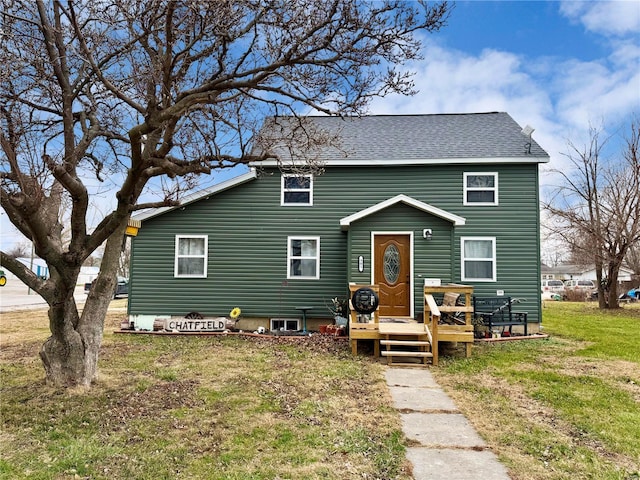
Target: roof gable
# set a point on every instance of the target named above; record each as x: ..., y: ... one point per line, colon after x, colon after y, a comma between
x: 425, y: 207
x: 194, y: 197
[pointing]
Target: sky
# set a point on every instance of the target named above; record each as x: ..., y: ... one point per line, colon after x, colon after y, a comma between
x: 559, y: 66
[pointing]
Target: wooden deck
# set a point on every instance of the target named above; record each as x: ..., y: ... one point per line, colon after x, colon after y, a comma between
x: 413, y: 328
x: 420, y: 340
x: 406, y: 339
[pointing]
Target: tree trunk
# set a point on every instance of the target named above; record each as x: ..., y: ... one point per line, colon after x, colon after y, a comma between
x: 602, y: 294
x: 614, y: 270
x: 70, y: 354
x: 63, y: 352
x: 613, y: 299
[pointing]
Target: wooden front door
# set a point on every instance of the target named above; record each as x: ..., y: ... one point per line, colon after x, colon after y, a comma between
x: 392, y: 272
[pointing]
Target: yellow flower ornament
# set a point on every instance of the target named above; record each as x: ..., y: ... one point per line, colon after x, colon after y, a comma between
x: 235, y: 313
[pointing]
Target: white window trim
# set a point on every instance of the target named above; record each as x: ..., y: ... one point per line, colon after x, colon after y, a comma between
x: 480, y: 189
x: 286, y: 321
x: 283, y: 190
x: 289, y: 257
x: 177, y: 256
x: 494, y: 259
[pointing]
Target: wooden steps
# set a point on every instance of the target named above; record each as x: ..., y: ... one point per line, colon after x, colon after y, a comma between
x: 415, y: 343
x: 396, y: 353
x: 406, y: 347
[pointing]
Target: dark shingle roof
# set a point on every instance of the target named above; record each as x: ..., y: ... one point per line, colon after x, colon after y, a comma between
x: 421, y: 137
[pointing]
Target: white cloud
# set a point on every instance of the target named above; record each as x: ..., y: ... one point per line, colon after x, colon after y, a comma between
x: 450, y: 81
x: 607, y: 90
x: 560, y: 97
x: 626, y: 54
x: 588, y: 91
x: 611, y: 18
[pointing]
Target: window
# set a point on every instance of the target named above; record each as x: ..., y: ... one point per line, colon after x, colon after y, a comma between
x: 297, y: 190
x: 284, y: 324
x: 191, y: 256
x: 478, y: 259
x: 303, y: 257
x: 480, y: 188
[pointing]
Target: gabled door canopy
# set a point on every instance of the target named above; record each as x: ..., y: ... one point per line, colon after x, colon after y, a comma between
x: 425, y: 207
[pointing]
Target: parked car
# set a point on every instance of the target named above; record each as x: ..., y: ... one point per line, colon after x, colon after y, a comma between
x: 579, y: 285
x: 3, y: 278
x: 553, y: 286
x: 122, y: 287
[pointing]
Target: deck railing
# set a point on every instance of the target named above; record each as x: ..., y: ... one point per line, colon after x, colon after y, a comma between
x: 431, y: 319
x: 456, y: 326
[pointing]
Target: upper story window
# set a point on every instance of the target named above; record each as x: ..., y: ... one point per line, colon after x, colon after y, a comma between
x: 480, y: 188
x: 297, y: 190
x: 191, y: 256
x: 478, y: 259
x: 303, y: 257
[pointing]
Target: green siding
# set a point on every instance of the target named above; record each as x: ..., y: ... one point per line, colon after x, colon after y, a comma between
x: 247, y: 231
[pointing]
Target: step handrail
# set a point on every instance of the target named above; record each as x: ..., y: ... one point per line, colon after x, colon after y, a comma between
x: 431, y: 319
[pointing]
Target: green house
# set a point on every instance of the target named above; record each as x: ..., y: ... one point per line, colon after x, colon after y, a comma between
x: 400, y: 201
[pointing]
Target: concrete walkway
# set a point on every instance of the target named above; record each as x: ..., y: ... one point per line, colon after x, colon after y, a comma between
x: 447, y: 446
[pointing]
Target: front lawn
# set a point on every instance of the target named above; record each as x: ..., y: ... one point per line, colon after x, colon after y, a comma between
x: 198, y: 407
x: 567, y: 407
x: 562, y: 408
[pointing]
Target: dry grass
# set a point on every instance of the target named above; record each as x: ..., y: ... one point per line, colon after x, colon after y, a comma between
x: 198, y: 407
x: 257, y: 408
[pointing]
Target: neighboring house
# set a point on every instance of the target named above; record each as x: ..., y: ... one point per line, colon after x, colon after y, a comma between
x: 404, y: 199
x: 580, y: 272
x: 88, y: 274
x: 547, y: 272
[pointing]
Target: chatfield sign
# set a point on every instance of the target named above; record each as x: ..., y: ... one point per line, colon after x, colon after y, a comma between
x: 196, y: 325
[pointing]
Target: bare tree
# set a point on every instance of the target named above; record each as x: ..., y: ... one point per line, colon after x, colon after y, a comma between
x: 119, y: 95
x: 633, y: 262
x: 92, y: 261
x: 19, y: 250
x: 552, y: 252
x: 596, y: 208
x: 124, y: 262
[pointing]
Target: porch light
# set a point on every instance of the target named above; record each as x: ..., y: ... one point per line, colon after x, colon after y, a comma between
x: 427, y: 233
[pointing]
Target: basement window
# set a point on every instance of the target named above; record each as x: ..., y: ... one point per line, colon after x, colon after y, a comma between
x: 291, y: 324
